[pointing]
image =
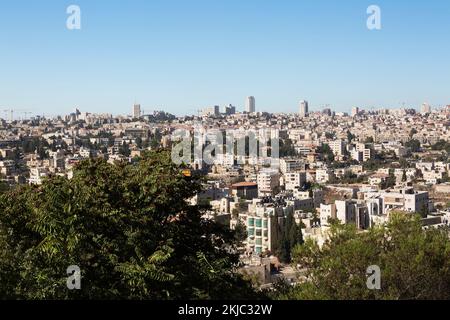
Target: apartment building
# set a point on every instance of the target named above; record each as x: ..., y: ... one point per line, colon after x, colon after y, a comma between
x: 324, y: 175
x: 338, y: 147
x: 294, y: 180
x: 268, y: 181
x: 262, y: 227
x: 38, y: 174
x: 317, y: 196
x: 327, y: 212
x: 290, y: 165
x: 405, y: 199
x: 245, y: 190
x: 7, y: 167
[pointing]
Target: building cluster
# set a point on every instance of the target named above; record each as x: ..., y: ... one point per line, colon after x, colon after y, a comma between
x: 356, y: 168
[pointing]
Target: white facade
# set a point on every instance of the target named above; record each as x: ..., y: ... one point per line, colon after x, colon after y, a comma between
x: 338, y: 147
x: 268, y: 180
x: 294, y: 180
x: 136, y: 111
x: 304, y: 109
x: 250, y: 104
x: 288, y: 165
x: 323, y: 175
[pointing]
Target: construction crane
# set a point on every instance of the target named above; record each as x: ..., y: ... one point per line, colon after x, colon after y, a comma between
x: 26, y: 113
x: 12, y: 111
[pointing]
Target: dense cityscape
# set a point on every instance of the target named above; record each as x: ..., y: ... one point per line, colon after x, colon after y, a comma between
x: 224, y: 158
x: 356, y: 168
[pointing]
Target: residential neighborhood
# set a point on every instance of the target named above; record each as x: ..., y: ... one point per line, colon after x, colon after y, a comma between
x: 354, y: 169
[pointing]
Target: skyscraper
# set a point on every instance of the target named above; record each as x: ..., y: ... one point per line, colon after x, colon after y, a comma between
x: 426, y: 108
x: 250, y: 105
x: 303, y: 108
x: 355, y: 111
x: 212, y: 111
x: 137, y: 111
x: 230, y: 109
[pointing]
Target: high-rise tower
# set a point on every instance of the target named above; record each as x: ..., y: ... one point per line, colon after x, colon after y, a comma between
x: 250, y: 105
x: 304, y: 108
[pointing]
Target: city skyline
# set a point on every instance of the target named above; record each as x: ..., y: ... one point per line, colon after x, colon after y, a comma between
x: 254, y: 152
x: 8, y: 113
x: 181, y: 57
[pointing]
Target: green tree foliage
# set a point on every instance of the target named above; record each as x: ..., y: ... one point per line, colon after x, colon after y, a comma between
x: 287, y: 148
x: 127, y: 226
x: 413, y: 144
x: 350, y: 178
x: 291, y: 236
x: 154, y: 144
x: 124, y: 149
x: 326, y: 152
x: 350, y: 136
x: 441, y: 145
x: 240, y: 231
x: 414, y: 263
x: 389, y: 182
x: 139, y: 142
x: 404, y: 177
x: 3, y: 186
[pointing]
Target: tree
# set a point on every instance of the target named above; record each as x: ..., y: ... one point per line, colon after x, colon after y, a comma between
x: 139, y: 142
x: 287, y: 148
x: 128, y: 227
x: 326, y: 152
x: 3, y: 186
x: 124, y: 149
x: 389, y: 182
x: 369, y: 140
x: 441, y: 145
x: 413, y: 144
x: 154, y: 144
x: 290, y: 237
x: 240, y: 231
x: 350, y: 136
x: 414, y: 263
x: 423, y: 212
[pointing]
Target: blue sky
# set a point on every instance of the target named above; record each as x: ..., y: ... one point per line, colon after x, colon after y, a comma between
x: 181, y: 55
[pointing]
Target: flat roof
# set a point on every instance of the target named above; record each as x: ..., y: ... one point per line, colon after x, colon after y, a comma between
x: 244, y: 184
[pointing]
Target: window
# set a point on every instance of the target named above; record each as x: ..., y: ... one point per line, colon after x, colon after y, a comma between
x: 251, y: 232
x: 265, y: 223
x: 258, y: 232
x: 258, y: 223
x: 251, y: 222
